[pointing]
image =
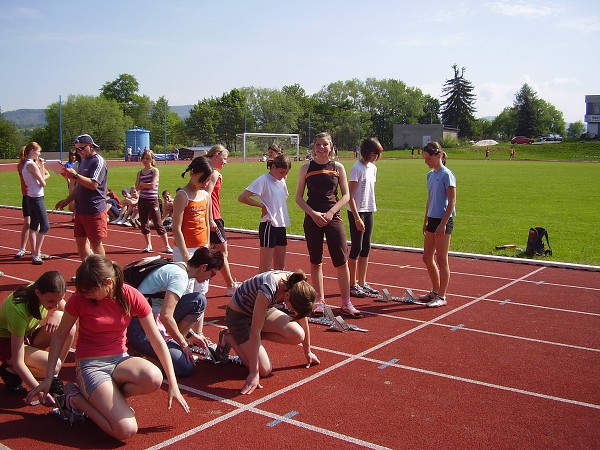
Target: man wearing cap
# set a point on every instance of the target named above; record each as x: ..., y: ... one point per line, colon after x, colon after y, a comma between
x: 90, y: 197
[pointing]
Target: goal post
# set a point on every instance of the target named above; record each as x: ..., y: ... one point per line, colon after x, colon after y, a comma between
x: 258, y: 143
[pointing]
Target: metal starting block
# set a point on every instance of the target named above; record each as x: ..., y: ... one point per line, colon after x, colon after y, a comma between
x: 335, y: 323
x: 408, y: 297
x: 208, y: 355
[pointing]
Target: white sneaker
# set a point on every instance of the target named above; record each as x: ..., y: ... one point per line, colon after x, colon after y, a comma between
x: 127, y: 223
x: 437, y: 302
x: 231, y: 289
x: 427, y: 297
x: 117, y: 221
x: 169, y: 249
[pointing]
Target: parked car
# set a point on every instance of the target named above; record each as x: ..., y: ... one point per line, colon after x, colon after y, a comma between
x: 552, y: 137
x: 521, y: 140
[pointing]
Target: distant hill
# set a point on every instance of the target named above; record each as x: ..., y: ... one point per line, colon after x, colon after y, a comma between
x: 26, y: 118
x: 31, y: 118
x: 183, y: 111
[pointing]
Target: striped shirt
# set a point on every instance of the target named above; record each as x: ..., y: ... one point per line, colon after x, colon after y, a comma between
x: 245, y: 295
x: 151, y: 193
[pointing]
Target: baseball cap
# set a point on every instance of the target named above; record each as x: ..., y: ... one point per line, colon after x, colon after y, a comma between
x: 85, y: 139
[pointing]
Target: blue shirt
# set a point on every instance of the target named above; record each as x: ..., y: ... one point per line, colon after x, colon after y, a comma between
x: 437, y: 184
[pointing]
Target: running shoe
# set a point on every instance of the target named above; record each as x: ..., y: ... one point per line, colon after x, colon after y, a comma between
x: 437, y: 302
x: 356, y: 291
x: 169, y: 249
x: 57, y: 387
x: 349, y: 310
x: 37, y: 260
x: 369, y: 290
x: 319, y: 308
x: 20, y: 254
x: 12, y: 381
x: 427, y: 297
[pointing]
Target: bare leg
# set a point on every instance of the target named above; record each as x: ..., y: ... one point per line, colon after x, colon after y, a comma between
x: 279, y: 257
x: 352, y: 270
x: 442, y: 245
x: 343, y: 278
x: 363, y: 263
x: 316, y: 274
x: 428, y: 259
x: 225, y: 270
x: 265, y: 259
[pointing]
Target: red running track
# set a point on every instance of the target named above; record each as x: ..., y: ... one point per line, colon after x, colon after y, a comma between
x: 513, y: 361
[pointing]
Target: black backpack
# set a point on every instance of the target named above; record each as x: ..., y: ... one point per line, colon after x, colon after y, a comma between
x: 135, y: 272
x: 535, y: 244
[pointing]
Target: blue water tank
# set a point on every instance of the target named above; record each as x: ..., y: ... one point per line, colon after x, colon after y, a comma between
x: 137, y: 138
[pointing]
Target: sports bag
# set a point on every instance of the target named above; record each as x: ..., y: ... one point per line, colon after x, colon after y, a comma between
x: 535, y: 244
x: 135, y: 272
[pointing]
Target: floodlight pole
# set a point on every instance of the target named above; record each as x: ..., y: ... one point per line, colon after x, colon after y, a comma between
x: 60, y: 133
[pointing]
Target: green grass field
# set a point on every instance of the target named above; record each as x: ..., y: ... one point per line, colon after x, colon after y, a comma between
x: 497, y: 201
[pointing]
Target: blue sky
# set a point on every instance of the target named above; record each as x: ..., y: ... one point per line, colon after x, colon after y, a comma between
x: 190, y: 50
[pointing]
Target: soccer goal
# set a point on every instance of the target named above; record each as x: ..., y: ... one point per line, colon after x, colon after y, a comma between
x: 257, y: 144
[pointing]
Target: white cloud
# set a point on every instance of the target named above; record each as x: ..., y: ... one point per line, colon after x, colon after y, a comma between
x: 522, y: 9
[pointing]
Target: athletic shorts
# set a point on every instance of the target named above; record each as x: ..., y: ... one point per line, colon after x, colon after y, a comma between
x: 25, y: 207
x: 335, y: 234
x: 93, y: 227
x: 218, y: 236
x: 271, y: 236
x: 5, y: 345
x: 92, y: 372
x: 432, y: 224
x: 239, y: 324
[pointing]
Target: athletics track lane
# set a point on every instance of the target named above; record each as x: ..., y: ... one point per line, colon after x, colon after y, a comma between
x: 512, y: 361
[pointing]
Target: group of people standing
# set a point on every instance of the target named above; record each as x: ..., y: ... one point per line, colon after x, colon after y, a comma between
x: 163, y: 318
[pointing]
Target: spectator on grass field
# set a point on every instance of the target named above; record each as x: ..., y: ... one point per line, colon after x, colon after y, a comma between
x: 251, y: 316
x: 179, y: 316
x: 513, y: 154
x: 89, y: 194
x: 35, y: 175
x: 190, y: 216
x: 487, y: 153
x: 148, y: 207
x: 271, y: 189
x: 217, y: 156
x: 321, y: 178
x: 129, y: 208
x: 438, y: 223
x: 106, y: 374
x: 361, y: 207
x: 28, y: 319
x: 274, y: 150
x: 166, y: 211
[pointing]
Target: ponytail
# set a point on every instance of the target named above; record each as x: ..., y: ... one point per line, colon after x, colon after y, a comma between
x: 302, y: 295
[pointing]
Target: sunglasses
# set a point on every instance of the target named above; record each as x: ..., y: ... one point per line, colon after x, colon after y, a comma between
x: 78, y: 149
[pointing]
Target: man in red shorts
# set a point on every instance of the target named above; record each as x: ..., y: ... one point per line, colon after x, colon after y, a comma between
x: 90, y: 197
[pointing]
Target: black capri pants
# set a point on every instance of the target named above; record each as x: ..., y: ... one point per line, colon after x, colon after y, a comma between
x: 361, y: 240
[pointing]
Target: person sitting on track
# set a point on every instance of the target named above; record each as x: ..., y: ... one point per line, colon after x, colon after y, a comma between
x: 179, y: 314
x: 28, y: 319
x: 251, y: 316
x: 106, y: 374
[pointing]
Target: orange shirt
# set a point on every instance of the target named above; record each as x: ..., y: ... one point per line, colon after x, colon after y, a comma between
x: 193, y: 226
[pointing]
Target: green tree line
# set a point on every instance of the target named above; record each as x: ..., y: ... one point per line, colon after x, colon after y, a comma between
x: 350, y: 110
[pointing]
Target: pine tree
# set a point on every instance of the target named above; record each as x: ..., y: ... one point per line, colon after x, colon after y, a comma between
x: 457, y: 106
x: 528, y: 112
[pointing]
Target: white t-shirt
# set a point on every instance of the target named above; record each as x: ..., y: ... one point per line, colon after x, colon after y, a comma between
x: 364, y: 194
x: 273, y: 194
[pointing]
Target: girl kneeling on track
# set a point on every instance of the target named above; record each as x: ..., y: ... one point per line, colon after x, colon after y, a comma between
x: 251, y: 316
x: 28, y: 319
x: 106, y: 374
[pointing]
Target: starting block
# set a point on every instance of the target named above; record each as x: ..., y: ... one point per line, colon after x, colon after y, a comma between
x: 210, y: 355
x: 408, y: 297
x: 335, y: 323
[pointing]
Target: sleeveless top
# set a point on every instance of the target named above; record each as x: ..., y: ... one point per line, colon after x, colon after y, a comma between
x: 151, y: 193
x: 34, y: 189
x: 23, y: 185
x: 215, y: 196
x: 193, y: 225
x: 322, y: 182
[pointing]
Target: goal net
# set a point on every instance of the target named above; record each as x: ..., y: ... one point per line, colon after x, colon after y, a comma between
x: 256, y: 145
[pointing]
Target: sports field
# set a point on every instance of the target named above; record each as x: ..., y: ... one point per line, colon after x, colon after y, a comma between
x: 497, y: 201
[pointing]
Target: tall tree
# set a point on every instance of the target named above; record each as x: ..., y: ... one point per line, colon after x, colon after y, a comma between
x: 157, y: 124
x: 201, y: 124
x: 231, y: 107
x: 458, y: 105
x: 100, y: 117
x: 122, y: 90
x: 576, y: 130
x: 528, y: 112
x: 10, y: 139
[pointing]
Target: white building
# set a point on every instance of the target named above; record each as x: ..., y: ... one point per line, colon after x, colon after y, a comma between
x: 592, y: 115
